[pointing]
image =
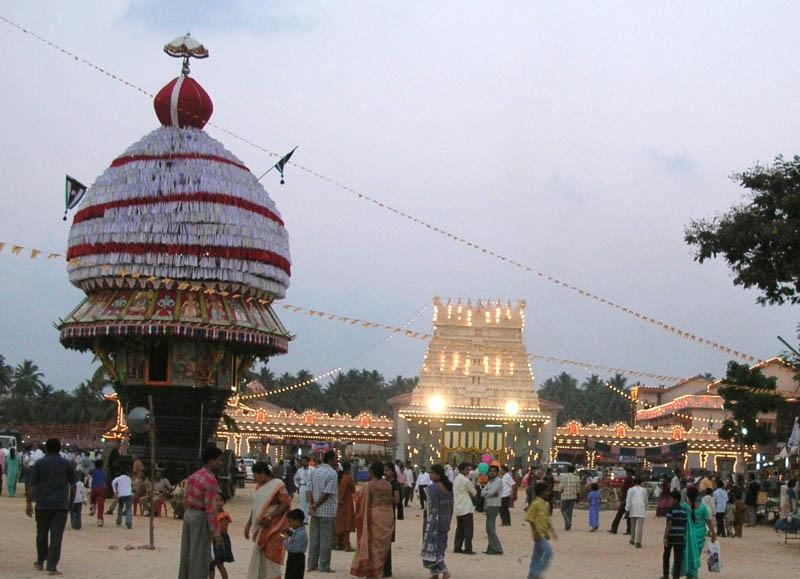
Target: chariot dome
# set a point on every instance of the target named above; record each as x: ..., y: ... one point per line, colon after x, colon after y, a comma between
x: 180, y: 252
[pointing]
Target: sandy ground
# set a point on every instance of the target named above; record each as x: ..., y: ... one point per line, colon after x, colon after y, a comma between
x: 579, y: 553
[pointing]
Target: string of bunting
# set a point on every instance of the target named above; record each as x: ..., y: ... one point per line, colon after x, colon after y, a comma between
x: 19, y: 250
x: 356, y: 321
x: 291, y: 387
x: 669, y: 328
x: 588, y: 366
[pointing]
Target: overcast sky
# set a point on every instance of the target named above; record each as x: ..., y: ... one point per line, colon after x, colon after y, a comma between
x: 577, y: 137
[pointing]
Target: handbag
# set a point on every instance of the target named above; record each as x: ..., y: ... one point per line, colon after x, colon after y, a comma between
x: 714, y: 560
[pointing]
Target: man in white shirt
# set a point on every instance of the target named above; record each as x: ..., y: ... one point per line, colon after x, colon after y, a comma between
x: 636, y: 505
x: 36, y: 454
x: 123, y: 490
x: 408, y: 491
x: 301, y: 480
x: 492, y: 494
x: 423, y: 482
x: 505, y: 497
x: 720, y: 505
x: 675, y: 483
x: 463, y: 507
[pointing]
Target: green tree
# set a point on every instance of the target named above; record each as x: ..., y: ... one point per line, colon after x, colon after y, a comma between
x: 747, y: 393
x: 308, y: 396
x: 759, y: 239
x: 27, y: 380
x: 563, y: 389
x: 356, y: 391
x: 6, y: 377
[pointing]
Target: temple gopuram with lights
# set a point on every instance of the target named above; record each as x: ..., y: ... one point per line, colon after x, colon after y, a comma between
x: 475, y: 393
x: 678, y: 425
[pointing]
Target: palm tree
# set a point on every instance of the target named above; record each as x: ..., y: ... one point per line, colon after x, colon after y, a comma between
x: 6, y: 377
x: 27, y: 379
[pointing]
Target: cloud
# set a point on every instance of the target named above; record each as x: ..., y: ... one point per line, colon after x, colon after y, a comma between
x: 180, y: 16
x: 679, y: 164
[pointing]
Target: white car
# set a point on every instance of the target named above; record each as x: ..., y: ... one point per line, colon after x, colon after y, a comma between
x: 248, y: 467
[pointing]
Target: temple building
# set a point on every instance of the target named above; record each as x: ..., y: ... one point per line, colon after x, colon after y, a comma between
x: 475, y: 393
x: 678, y: 425
x: 254, y: 427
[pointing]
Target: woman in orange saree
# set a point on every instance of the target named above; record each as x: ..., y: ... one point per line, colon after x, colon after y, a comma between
x: 267, y: 521
x: 374, y: 524
x: 345, y: 511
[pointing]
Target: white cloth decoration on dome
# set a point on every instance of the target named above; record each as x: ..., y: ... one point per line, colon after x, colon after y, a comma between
x: 195, y: 223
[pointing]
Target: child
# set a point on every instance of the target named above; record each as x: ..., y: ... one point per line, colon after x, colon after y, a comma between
x: 295, y: 540
x: 77, y: 505
x: 225, y: 554
x: 674, y: 535
x: 594, y: 507
x: 122, y: 490
x: 97, y: 495
x: 538, y: 515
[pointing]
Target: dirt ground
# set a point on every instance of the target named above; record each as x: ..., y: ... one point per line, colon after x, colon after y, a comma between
x: 89, y: 552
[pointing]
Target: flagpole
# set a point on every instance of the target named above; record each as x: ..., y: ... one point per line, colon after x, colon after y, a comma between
x: 265, y: 172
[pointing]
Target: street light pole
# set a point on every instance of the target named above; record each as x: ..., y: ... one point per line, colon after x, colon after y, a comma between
x: 152, y: 435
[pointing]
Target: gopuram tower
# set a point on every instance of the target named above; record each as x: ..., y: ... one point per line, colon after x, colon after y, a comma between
x: 180, y: 252
x: 475, y: 394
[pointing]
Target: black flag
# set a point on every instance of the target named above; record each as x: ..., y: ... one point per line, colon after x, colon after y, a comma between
x: 282, y: 163
x: 73, y: 193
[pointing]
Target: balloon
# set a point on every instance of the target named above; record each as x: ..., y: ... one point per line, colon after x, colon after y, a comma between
x: 495, y: 463
x: 483, y: 468
x: 486, y: 458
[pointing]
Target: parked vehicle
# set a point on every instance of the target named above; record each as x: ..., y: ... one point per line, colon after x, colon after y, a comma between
x: 248, y: 465
x: 559, y: 466
x: 657, y: 472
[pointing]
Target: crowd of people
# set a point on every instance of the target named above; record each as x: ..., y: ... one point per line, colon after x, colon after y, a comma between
x: 332, y: 506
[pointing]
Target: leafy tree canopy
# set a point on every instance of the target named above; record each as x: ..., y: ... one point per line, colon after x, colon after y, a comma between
x: 748, y: 393
x: 591, y: 401
x: 759, y: 239
x: 25, y: 398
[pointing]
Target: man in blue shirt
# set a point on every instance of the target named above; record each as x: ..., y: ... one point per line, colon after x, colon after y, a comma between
x: 720, y: 504
x: 51, y: 483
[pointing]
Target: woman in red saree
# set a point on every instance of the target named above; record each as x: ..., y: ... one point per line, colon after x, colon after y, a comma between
x: 374, y: 524
x: 267, y: 521
x: 345, y: 511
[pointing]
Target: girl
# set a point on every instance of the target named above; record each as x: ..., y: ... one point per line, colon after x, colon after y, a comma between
x: 225, y: 554
x: 437, y: 523
x: 594, y: 507
x: 12, y: 472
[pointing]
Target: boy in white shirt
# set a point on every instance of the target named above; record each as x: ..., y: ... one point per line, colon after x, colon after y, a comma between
x: 77, y: 505
x: 122, y: 486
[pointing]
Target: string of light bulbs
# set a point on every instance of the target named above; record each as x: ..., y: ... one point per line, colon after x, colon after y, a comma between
x: 669, y: 328
x: 291, y: 387
x: 588, y: 366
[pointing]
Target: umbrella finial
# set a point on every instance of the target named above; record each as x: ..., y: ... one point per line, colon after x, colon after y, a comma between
x: 185, y: 47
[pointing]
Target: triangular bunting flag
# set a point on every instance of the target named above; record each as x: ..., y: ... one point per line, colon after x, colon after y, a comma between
x: 74, y: 191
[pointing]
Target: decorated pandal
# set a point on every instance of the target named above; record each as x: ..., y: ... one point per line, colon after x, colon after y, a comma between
x: 181, y: 253
x: 679, y: 424
x: 475, y: 393
x: 263, y: 429
x: 602, y: 444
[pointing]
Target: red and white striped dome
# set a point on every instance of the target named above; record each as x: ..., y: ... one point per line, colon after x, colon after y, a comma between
x: 183, y: 103
x: 178, y: 205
